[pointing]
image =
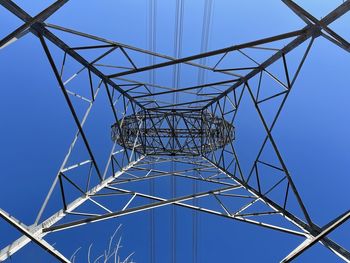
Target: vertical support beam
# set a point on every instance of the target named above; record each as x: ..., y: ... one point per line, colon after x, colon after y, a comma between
x: 70, y: 105
x: 279, y: 156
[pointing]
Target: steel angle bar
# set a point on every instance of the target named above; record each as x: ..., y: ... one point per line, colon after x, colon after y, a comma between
x: 71, y: 107
x: 137, y: 209
x: 39, y: 29
x: 22, y: 30
x: 129, y: 47
x: 187, y: 88
x: 179, y: 203
x: 306, y: 33
x: 212, y: 53
x: 27, y: 233
x: 313, y: 231
x: 313, y: 240
x: 65, y: 160
x: 307, y: 17
x: 37, y: 232
x: 279, y: 156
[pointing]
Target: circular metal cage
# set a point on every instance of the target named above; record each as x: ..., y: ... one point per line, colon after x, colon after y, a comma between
x: 173, y: 133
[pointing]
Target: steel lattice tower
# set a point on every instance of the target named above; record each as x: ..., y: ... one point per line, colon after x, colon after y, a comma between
x: 191, y: 129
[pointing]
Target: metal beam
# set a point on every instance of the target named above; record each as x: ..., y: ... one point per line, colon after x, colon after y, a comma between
x: 279, y: 156
x: 129, y: 47
x: 303, y: 14
x: 314, y: 230
x: 164, y: 202
x: 38, y: 240
x: 201, y: 209
x: 212, y: 53
x: 39, y: 29
x: 313, y: 240
x: 22, y: 30
x: 188, y: 88
x: 309, y: 31
x: 71, y: 107
x: 36, y: 231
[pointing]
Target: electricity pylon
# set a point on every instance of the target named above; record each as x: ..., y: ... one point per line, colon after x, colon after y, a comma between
x: 150, y: 132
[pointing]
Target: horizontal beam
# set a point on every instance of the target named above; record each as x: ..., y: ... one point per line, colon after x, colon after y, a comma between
x: 178, y: 202
x: 136, y: 209
x: 144, y: 51
x: 187, y: 88
x: 212, y: 53
x: 225, y: 215
x: 179, y: 104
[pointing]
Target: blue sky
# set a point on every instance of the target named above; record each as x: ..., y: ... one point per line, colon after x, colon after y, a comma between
x: 312, y: 131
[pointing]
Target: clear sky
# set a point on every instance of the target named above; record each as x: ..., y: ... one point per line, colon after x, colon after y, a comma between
x: 37, y: 127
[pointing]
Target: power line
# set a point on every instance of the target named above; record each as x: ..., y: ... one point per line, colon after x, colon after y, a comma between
x: 152, y: 77
x: 178, y: 33
x: 206, y: 26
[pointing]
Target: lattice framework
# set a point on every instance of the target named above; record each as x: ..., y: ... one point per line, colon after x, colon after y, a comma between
x: 139, y: 107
